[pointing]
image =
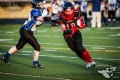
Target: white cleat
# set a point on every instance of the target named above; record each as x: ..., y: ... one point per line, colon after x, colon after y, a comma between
x: 113, y: 68
x: 93, y: 64
x: 88, y: 65
x: 104, y: 73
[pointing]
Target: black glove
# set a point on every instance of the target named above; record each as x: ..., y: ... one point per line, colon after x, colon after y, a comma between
x: 68, y: 31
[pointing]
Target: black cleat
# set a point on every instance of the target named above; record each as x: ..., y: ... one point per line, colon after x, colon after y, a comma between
x: 37, y: 66
x: 5, y: 59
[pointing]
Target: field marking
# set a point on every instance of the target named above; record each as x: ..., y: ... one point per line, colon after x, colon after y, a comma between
x: 115, y: 34
x: 92, y: 46
x: 55, y: 36
x: 6, y: 40
x: 9, y: 32
x: 25, y: 54
x: 99, y: 50
x: 33, y: 76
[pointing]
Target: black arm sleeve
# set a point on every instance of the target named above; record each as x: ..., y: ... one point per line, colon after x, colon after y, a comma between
x: 47, y: 18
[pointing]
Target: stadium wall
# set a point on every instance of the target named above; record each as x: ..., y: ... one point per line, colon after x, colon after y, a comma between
x: 20, y: 10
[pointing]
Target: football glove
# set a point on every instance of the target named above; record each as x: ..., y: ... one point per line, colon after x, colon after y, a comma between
x: 55, y: 17
x: 68, y: 31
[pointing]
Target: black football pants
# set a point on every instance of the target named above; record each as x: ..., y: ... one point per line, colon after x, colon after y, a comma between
x: 26, y: 36
x: 75, y: 43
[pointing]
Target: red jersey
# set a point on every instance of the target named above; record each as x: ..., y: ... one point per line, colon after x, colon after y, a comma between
x: 70, y: 22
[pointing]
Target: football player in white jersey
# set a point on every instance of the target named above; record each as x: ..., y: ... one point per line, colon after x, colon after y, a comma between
x: 84, y: 5
x: 36, y: 17
x: 103, y: 12
x: 112, y: 11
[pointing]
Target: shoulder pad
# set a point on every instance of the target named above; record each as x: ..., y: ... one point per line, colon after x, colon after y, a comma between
x: 36, y: 13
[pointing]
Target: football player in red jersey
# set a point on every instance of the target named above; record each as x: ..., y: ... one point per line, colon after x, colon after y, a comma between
x: 70, y: 22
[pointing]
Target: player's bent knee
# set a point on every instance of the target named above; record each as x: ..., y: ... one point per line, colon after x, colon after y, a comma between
x: 81, y: 49
x: 19, y: 47
x: 37, y: 48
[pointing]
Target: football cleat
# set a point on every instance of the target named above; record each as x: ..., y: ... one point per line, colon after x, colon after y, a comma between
x: 93, y: 64
x: 88, y: 65
x: 113, y: 68
x: 105, y: 74
x: 5, y: 59
x: 37, y: 66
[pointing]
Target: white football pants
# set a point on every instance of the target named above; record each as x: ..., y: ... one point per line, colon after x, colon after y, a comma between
x: 96, y: 19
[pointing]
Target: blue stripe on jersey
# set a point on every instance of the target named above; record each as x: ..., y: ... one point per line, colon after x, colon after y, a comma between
x: 30, y: 24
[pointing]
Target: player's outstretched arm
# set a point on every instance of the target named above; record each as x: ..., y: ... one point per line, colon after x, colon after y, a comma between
x: 41, y: 18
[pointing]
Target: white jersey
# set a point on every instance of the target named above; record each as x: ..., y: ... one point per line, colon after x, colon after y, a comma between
x: 102, y: 7
x: 55, y: 9
x: 84, y: 6
x: 112, y: 4
x: 73, y: 2
x: 31, y: 23
x: 60, y: 3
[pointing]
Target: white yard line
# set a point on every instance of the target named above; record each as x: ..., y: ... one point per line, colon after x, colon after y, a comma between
x: 33, y: 76
x: 6, y: 40
x: 9, y: 32
x: 60, y: 44
x: 29, y: 53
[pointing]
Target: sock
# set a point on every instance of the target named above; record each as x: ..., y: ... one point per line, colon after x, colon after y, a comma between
x: 35, y: 62
x: 108, y: 22
x: 86, y: 57
x: 114, y: 23
x: 7, y: 54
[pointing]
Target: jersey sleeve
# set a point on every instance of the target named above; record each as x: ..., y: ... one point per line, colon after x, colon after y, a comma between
x: 77, y: 13
x: 35, y: 13
x: 32, y: 19
x: 60, y: 20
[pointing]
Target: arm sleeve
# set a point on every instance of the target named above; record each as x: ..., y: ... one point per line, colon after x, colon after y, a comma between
x: 59, y: 21
x: 47, y: 18
x: 78, y: 13
x: 35, y: 14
